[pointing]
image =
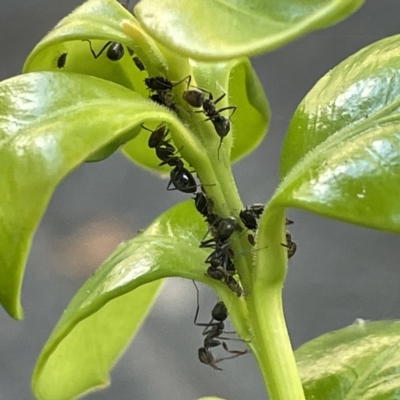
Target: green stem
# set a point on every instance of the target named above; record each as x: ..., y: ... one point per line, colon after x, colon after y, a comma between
x: 272, y: 347
x: 258, y: 315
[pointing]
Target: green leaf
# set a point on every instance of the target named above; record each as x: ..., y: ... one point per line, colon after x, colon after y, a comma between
x: 361, y: 361
x: 221, y: 30
x: 341, y: 155
x: 249, y: 122
x: 108, y: 309
x: 49, y: 124
x: 101, y: 20
x: 251, y: 118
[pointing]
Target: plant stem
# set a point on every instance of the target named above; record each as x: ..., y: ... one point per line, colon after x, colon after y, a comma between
x: 272, y: 347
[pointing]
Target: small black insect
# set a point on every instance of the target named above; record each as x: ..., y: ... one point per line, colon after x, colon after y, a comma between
x: 197, y: 99
x: 115, y: 51
x: 162, y: 86
x: 251, y: 239
x: 222, y: 233
x: 212, y: 335
x: 158, y: 84
x: 290, y: 245
x: 182, y: 179
x: 249, y: 219
x: 157, y: 136
x: 61, y: 60
x: 201, y: 204
x: 138, y: 62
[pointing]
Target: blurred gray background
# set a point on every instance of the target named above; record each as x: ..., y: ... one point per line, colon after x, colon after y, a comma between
x: 340, y: 272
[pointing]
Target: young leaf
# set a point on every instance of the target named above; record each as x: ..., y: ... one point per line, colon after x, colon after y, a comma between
x: 222, y: 30
x: 358, y: 362
x: 107, y: 311
x: 249, y: 122
x: 50, y: 123
x: 341, y: 154
x: 251, y: 117
x: 95, y: 19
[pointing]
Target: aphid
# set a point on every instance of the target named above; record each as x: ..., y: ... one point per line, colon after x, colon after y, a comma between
x: 138, y: 62
x: 251, y: 239
x: 61, y: 60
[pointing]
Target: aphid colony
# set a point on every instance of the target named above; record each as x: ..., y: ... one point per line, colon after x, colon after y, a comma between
x: 220, y: 262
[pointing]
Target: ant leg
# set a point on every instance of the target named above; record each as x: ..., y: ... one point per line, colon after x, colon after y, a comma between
x: 207, y: 325
x: 219, y: 98
x: 96, y: 56
x: 237, y: 352
x: 186, y: 78
x: 218, y: 360
x: 206, y: 357
x: 233, y: 108
x: 198, y: 302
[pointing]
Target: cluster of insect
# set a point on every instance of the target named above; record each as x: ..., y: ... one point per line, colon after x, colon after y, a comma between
x: 220, y: 262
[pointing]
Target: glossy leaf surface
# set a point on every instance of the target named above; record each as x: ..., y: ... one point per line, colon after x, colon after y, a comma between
x: 341, y: 154
x: 97, y: 325
x: 101, y: 19
x: 361, y: 361
x: 213, y: 30
x: 50, y: 123
x: 95, y: 19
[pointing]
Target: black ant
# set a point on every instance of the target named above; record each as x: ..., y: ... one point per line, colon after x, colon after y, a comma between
x: 290, y: 245
x: 181, y: 178
x: 204, y: 207
x: 158, y: 84
x: 164, y: 151
x: 221, y: 266
x: 201, y: 204
x: 157, y: 136
x: 162, y: 86
x: 250, y: 215
x: 61, y: 60
x: 197, y: 99
x: 212, y: 333
x: 249, y: 219
x: 115, y: 51
x: 222, y: 233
